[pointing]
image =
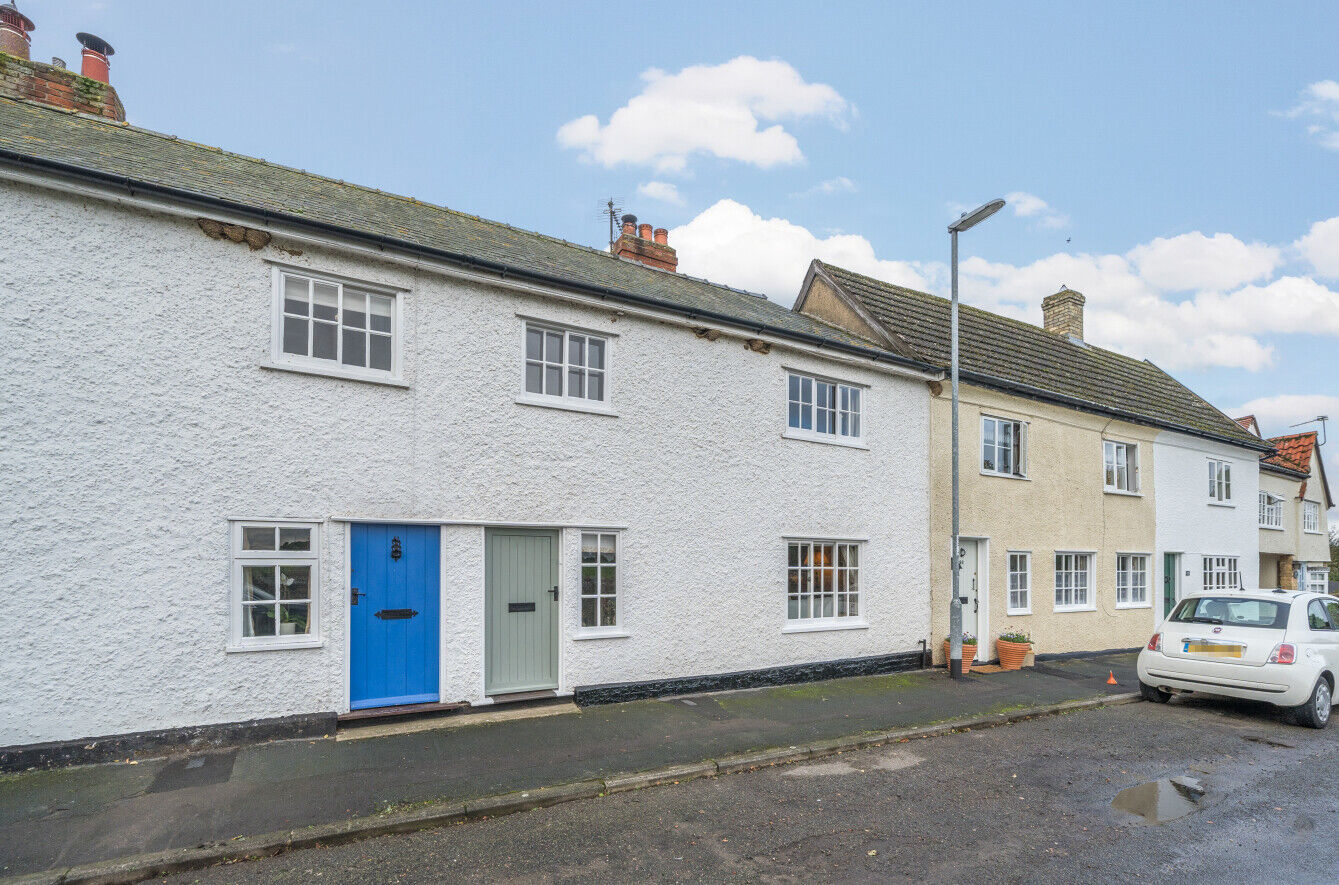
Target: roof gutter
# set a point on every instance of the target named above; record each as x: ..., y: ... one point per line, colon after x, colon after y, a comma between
x: 1284, y: 471
x: 1087, y: 406
x: 135, y: 188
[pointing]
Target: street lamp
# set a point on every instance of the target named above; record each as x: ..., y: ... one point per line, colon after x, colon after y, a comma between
x: 966, y: 221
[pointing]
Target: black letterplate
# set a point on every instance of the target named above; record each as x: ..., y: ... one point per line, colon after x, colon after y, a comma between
x: 396, y: 614
x: 520, y: 606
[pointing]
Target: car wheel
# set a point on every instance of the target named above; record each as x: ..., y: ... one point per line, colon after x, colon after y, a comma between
x: 1315, y: 713
x: 1156, y: 695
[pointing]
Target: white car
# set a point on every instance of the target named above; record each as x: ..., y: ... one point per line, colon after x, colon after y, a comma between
x: 1279, y: 646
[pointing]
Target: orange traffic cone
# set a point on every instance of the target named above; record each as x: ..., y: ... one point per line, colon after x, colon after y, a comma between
x: 1111, y: 677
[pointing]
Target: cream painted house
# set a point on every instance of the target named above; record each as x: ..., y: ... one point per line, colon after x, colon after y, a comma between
x: 1293, y: 500
x: 1058, y: 515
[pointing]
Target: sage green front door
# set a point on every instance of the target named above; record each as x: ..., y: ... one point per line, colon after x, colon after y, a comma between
x: 520, y: 610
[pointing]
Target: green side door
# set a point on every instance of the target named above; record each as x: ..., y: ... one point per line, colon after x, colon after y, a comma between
x: 521, y: 610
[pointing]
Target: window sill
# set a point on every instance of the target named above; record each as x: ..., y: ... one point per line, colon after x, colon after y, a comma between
x: 1124, y: 493
x: 1221, y: 504
x: 823, y: 439
x: 1005, y: 475
x: 278, y: 645
x: 600, y: 633
x: 826, y: 625
x: 1123, y: 606
x: 321, y: 372
x: 1279, y: 528
x: 1064, y: 610
x: 1019, y: 613
x: 1309, y: 532
x: 565, y: 405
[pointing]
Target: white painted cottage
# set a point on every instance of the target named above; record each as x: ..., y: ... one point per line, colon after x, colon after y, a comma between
x: 275, y: 448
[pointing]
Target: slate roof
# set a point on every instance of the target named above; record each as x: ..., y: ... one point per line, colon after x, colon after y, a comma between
x: 33, y: 135
x: 1019, y: 357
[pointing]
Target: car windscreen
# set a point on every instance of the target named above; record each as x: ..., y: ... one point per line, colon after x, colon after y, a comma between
x: 1232, y: 610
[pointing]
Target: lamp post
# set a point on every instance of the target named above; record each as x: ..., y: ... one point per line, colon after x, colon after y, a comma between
x: 966, y: 221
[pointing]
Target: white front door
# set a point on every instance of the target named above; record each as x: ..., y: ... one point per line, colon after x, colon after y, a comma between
x: 968, y: 588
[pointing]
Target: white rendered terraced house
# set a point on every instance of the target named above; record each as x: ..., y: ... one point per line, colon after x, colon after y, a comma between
x: 288, y: 449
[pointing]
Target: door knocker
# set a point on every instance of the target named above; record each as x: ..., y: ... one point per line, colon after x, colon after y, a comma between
x: 396, y: 552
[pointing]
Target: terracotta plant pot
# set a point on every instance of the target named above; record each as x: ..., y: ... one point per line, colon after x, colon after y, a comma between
x: 968, y: 655
x: 1012, y: 654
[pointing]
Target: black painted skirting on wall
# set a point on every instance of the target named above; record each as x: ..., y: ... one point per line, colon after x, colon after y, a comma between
x: 1066, y: 655
x: 618, y: 692
x: 164, y: 741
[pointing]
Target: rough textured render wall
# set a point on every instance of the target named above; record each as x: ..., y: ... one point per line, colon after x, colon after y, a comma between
x: 1313, y: 547
x: 1061, y: 506
x: 1188, y: 524
x: 142, y: 421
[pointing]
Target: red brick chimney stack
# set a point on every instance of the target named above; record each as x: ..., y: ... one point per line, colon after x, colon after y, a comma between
x: 14, y: 28
x: 642, y: 244
x: 20, y: 77
x: 96, y: 51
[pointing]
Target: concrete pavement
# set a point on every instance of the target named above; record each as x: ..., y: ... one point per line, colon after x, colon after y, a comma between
x: 59, y: 818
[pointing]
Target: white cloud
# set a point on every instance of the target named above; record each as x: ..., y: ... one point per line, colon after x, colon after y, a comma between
x: 708, y: 109
x: 1194, y: 261
x: 1319, y: 105
x: 1221, y: 316
x: 1320, y: 247
x: 730, y: 243
x: 1277, y: 414
x: 663, y: 191
x: 839, y: 185
x: 1026, y: 205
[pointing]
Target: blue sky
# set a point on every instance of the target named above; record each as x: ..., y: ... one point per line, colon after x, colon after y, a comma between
x: 1170, y: 160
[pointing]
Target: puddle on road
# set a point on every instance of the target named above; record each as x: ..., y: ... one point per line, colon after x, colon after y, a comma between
x: 1161, y: 800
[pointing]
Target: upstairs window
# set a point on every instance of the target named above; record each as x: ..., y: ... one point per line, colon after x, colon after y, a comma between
x: 1003, y: 447
x: 1221, y: 573
x: 1271, y: 511
x: 1220, y: 481
x: 324, y: 322
x: 1311, y: 517
x: 1121, y: 466
x: 824, y: 409
x: 566, y: 365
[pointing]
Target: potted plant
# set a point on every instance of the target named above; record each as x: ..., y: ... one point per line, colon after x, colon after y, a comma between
x: 968, y: 652
x: 1013, y: 647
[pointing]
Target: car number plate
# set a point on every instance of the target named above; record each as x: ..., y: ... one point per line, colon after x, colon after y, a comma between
x: 1218, y: 649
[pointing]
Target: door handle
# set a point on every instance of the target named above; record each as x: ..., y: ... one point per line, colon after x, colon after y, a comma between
x: 354, y: 595
x: 976, y: 606
x: 554, y: 591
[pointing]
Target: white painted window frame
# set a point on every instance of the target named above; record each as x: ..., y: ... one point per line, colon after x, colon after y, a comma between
x: 801, y: 624
x: 605, y: 631
x: 566, y: 401
x: 1220, y: 482
x: 1271, y: 511
x: 1025, y: 583
x: 1023, y: 429
x: 1311, y: 517
x: 1091, y: 584
x: 1219, y: 573
x: 841, y: 389
x: 1317, y: 579
x: 240, y: 558
x: 1114, y: 452
x: 1125, y: 574
x: 334, y: 368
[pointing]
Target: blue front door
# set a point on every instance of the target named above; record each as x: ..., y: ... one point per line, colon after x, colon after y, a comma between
x: 394, y: 580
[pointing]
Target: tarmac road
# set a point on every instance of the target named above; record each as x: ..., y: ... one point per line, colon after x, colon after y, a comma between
x: 1024, y: 803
